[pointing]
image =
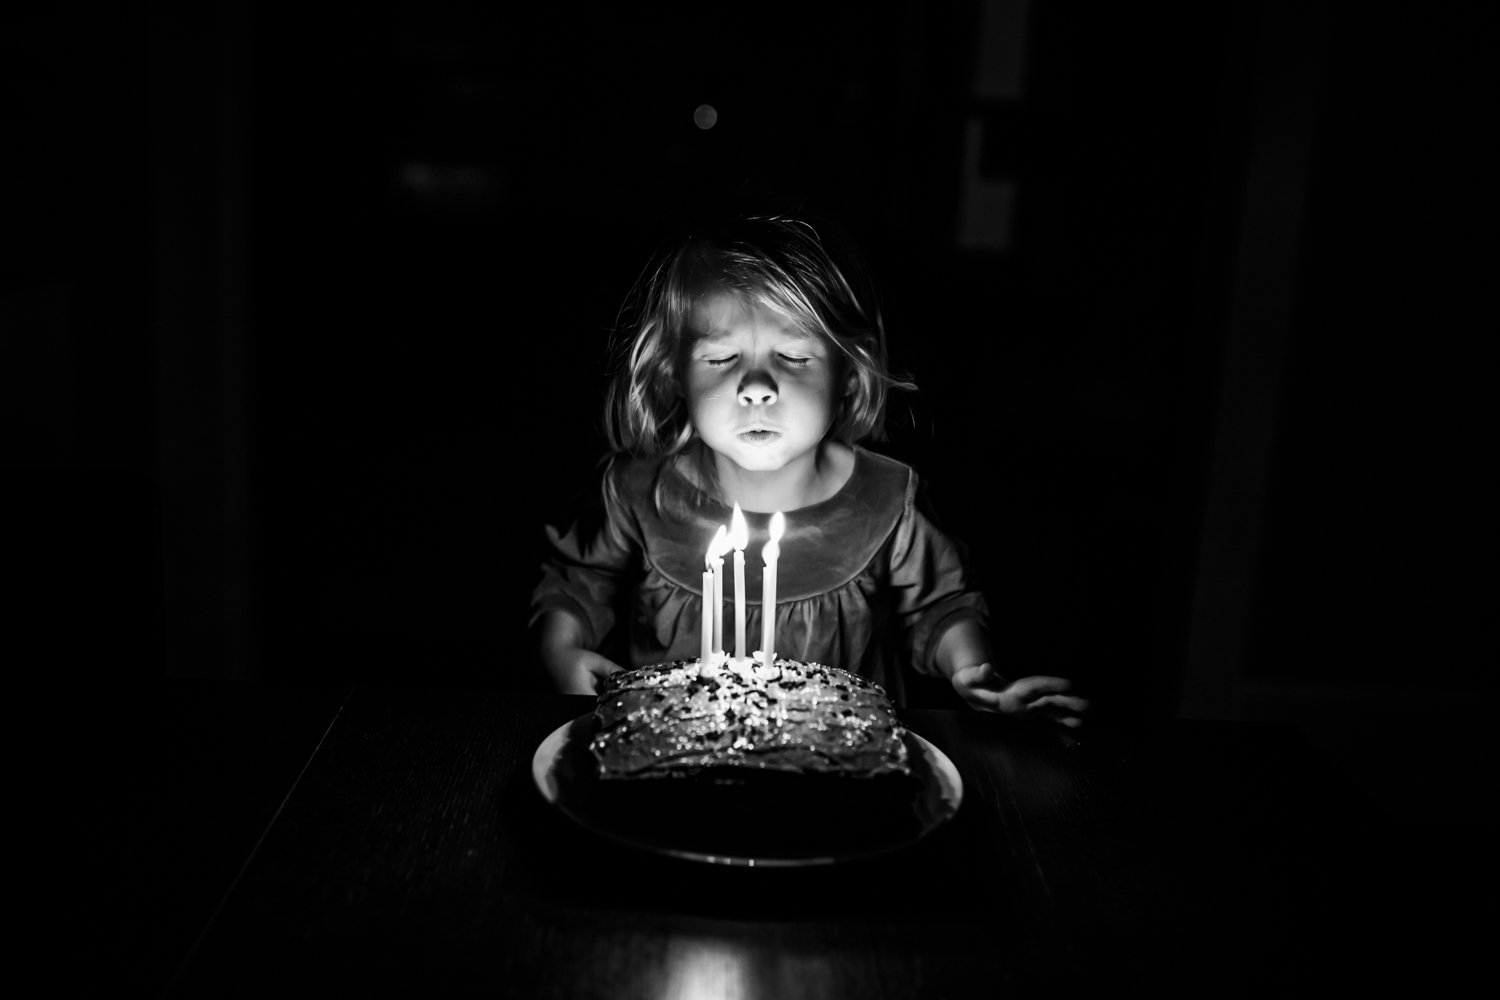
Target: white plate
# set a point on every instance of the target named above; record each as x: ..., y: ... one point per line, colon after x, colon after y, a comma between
x: 562, y: 767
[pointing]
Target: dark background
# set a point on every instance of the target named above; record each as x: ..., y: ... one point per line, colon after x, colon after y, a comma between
x: 305, y: 310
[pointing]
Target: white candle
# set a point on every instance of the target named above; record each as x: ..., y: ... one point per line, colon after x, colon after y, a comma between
x: 706, y: 649
x: 716, y: 550
x: 769, y: 555
x: 739, y: 537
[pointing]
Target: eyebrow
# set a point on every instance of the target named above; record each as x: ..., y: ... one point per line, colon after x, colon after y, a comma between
x: 795, y: 335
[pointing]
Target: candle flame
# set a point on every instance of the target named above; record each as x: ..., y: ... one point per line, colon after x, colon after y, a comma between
x: 739, y: 530
x: 717, y: 547
x: 773, y: 548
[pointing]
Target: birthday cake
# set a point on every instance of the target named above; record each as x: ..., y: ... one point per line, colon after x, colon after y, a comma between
x: 792, y: 762
x: 683, y: 719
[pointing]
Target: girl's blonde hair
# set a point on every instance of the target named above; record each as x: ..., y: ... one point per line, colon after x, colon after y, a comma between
x: 773, y: 261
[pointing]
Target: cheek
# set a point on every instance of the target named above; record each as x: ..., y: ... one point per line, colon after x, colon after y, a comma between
x: 821, y: 392
x: 816, y: 404
x: 695, y: 387
x: 706, y: 397
x: 703, y: 395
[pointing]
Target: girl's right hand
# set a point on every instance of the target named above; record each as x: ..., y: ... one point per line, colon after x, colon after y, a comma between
x: 579, y: 671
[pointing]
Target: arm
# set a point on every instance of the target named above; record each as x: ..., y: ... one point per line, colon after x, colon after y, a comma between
x: 590, y: 564
x: 963, y: 656
x: 572, y: 667
x: 946, y: 615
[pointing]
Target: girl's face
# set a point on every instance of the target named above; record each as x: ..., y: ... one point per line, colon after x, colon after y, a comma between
x: 760, y: 392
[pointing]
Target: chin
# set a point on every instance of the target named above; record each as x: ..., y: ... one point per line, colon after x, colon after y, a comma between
x: 759, y: 463
x: 758, y: 459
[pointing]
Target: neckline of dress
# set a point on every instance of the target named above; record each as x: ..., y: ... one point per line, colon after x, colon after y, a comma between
x: 857, y: 471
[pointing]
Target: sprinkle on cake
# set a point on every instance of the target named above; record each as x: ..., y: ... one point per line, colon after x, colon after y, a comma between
x: 686, y: 718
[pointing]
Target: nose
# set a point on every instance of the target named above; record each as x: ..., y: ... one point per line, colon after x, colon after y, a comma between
x: 757, y: 387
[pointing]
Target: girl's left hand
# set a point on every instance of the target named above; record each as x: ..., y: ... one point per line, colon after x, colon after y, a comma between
x: 981, y: 687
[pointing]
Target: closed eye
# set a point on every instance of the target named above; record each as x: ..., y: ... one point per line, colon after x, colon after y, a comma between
x: 795, y: 361
x: 721, y: 362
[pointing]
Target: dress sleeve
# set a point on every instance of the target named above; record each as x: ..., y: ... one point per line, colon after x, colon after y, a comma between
x: 588, y: 565
x: 931, y: 582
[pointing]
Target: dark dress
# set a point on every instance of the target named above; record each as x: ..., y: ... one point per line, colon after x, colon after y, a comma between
x: 865, y: 580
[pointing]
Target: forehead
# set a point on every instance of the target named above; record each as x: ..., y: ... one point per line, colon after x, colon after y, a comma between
x: 722, y: 315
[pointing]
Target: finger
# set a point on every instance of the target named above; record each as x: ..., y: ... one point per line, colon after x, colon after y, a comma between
x: 1061, y: 714
x: 602, y: 668
x: 1034, y: 687
x: 1064, y: 702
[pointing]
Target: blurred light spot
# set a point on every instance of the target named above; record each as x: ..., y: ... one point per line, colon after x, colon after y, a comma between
x: 699, y: 969
x: 704, y: 116
x: 457, y: 183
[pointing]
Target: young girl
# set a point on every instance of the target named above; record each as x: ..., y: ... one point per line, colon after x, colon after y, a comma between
x: 752, y: 372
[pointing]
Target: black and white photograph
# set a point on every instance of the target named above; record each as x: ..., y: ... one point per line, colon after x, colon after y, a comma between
x: 785, y: 500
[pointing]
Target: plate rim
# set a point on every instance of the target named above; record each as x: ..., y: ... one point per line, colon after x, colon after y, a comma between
x: 949, y: 795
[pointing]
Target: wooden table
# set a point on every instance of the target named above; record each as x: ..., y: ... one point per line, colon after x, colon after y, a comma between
x: 408, y: 852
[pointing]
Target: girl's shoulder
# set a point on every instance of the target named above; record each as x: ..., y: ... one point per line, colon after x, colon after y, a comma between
x: 652, y: 489
x: 851, y: 535
x: 878, y: 478
x: 873, y: 499
x: 879, y: 464
x: 630, y: 478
